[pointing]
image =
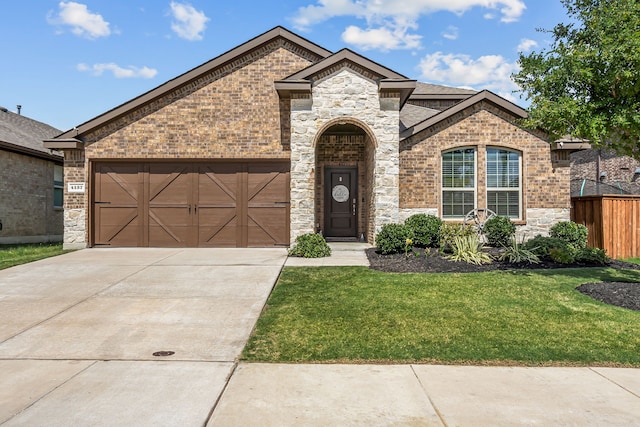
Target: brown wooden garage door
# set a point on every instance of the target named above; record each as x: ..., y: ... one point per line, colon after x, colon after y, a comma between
x: 190, y: 204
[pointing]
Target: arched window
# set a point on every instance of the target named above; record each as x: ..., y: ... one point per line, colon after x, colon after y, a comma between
x: 504, y: 182
x: 458, y: 182
x: 498, y: 181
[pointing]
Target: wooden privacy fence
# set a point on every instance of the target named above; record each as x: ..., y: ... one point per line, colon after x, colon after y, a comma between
x: 613, y: 222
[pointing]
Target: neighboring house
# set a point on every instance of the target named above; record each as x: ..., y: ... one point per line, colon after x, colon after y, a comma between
x: 31, y: 192
x: 595, y: 172
x: 279, y: 137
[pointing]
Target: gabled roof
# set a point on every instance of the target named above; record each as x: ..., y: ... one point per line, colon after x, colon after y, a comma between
x: 191, y: 75
x: 387, y: 79
x: 484, y: 95
x: 410, y: 115
x: 24, y: 135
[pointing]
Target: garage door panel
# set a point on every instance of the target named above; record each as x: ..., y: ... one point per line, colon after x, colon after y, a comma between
x: 266, y: 228
x: 218, y: 228
x: 169, y: 227
x: 118, y: 226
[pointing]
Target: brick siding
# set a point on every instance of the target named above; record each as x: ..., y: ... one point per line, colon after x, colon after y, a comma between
x: 26, y: 200
x: 545, y: 182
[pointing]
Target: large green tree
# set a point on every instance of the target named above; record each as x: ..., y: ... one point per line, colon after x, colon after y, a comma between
x: 587, y: 83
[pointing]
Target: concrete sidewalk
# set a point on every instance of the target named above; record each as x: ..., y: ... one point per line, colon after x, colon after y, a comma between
x: 428, y: 395
x: 78, y: 335
x: 342, y: 254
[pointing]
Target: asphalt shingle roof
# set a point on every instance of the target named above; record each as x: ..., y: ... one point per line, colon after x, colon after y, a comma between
x: 24, y: 132
x: 431, y: 89
x: 411, y: 115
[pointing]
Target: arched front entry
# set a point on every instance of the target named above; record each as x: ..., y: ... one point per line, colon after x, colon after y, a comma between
x: 345, y: 156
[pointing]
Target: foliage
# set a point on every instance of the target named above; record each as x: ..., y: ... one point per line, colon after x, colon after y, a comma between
x: 499, y: 230
x: 592, y: 256
x: 469, y: 250
x: 542, y: 245
x: 587, y: 84
x: 563, y: 255
x: 12, y: 255
x: 573, y: 234
x: 392, y: 238
x: 516, y: 253
x: 359, y: 315
x: 449, y: 231
x: 310, y: 245
x: 426, y: 230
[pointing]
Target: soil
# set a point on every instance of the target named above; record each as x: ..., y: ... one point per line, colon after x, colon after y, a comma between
x: 621, y: 294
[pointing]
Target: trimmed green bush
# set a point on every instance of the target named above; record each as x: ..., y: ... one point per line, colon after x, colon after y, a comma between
x: 572, y: 233
x: 426, y: 230
x: 564, y: 255
x: 499, y: 230
x: 392, y: 238
x: 542, y: 245
x: 592, y: 256
x: 310, y: 245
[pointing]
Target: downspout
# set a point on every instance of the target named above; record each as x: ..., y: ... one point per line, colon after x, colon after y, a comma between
x: 584, y: 180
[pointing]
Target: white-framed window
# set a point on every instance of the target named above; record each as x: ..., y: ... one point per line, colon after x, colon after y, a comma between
x: 458, y: 182
x: 504, y: 182
x: 58, y: 186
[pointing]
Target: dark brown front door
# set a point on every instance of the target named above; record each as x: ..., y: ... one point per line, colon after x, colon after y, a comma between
x: 340, y: 202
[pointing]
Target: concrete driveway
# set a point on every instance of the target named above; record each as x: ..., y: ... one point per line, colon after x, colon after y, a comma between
x: 78, y: 333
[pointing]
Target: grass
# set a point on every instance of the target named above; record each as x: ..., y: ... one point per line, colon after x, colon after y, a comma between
x: 12, y: 255
x: 354, y: 314
x: 633, y: 260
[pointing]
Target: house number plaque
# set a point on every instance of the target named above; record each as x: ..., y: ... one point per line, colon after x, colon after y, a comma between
x: 340, y: 193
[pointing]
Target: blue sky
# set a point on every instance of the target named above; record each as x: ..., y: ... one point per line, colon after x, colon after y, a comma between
x: 66, y: 62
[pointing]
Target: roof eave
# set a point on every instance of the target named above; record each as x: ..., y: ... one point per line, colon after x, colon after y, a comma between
x: 404, y: 86
x: 63, y: 144
x: 31, y: 152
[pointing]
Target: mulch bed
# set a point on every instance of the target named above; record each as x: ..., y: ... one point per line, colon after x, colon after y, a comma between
x: 621, y: 294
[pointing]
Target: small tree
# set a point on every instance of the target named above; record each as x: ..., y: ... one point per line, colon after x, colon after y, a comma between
x: 587, y: 84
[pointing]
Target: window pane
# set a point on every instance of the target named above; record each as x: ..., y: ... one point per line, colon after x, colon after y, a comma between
x: 457, y: 203
x: 458, y: 168
x: 57, y: 197
x: 503, y: 168
x: 504, y: 203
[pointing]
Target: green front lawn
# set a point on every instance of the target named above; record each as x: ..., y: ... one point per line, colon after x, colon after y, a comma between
x: 354, y: 314
x: 11, y: 255
x: 633, y: 260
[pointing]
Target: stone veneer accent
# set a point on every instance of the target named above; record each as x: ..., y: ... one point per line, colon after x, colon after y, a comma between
x: 75, y: 229
x: 343, y: 96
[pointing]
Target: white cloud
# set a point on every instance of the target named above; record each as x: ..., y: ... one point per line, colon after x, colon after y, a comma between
x: 188, y: 23
x: 526, y: 45
x: 408, y: 10
x: 117, y: 71
x: 451, y: 33
x: 82, y: 22
x: 491, y: 72
x: 383, y: 38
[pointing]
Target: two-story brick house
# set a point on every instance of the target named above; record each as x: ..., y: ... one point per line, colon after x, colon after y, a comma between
x: 279, y: 137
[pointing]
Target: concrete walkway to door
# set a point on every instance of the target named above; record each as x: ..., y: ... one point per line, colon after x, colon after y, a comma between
x: 78, y: 333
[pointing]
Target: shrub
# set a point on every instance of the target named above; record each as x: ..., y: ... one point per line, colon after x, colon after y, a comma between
x: 448, y: 232
x: 392, y: 238
x: 542, y: 245
x: 469, y: 249
x: 572, y: 233
x: 592, y: 256
x: 516, y: 253
x: 499, y: 231
x: 310, y: 245
x: 426, y: 230
x: 564, y: 255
